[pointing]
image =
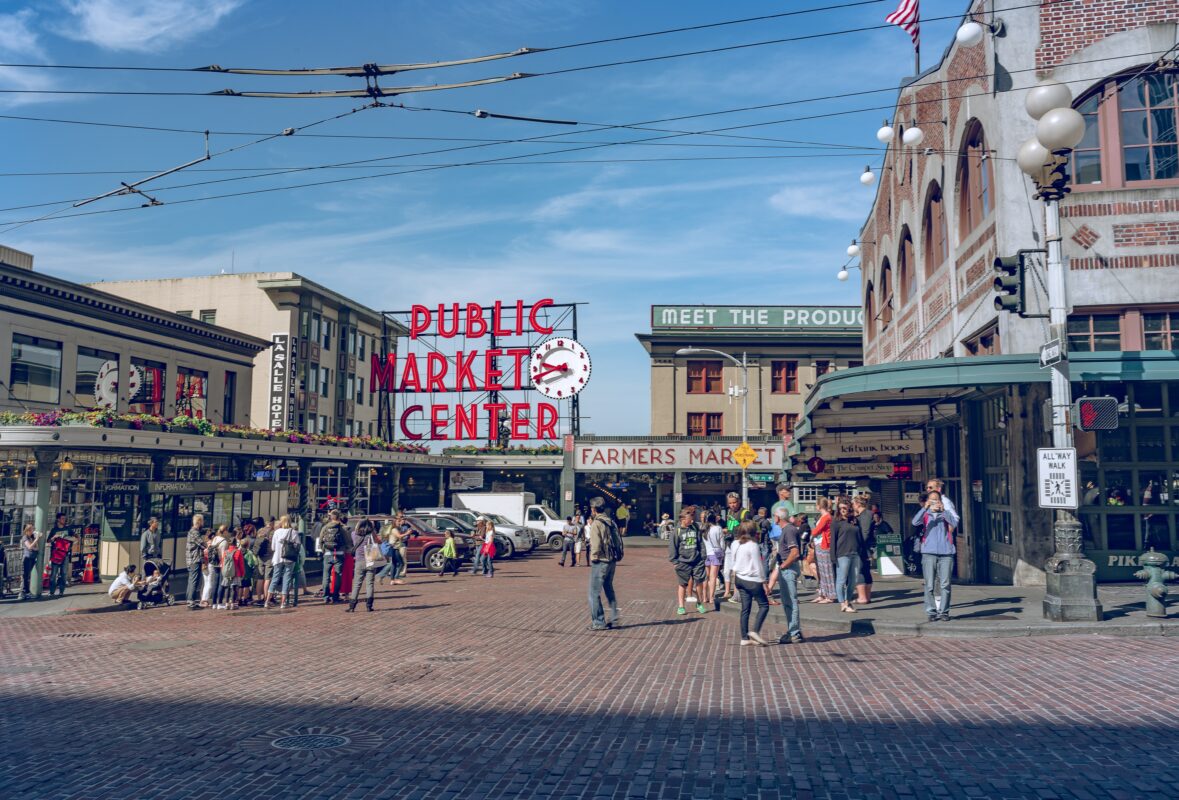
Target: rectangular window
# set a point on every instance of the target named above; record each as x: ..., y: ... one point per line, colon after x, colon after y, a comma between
x: 209, y: 316
x: 312, y: 377
x: 304, y: 324
x: 784, y: 377
x: 187, y: 313
x: 325, y: 382
x: 360, y: 390
x: 192, y: 392
x: 822, y: 368
x: 362, y: 339
x: 327, y: 334
x: 145, y: 389
x: 315, y: 328
x: 229, y: 400
x: 96, y: 382
x: 783, y: 424
x: 704, y: 377
x: 352, y: 341
x: 1090, y: 333
x: 705, y: 424
x: 370, y: 429
x: 1161, y: 330
x: 322, y: 424
x: 35, y: 374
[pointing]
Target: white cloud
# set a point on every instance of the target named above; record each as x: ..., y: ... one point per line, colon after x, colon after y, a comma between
x: 822, y: 198
x: 20, y: 42
x: 144, y: 26
x: 563, y: 205
x: 17, y: 36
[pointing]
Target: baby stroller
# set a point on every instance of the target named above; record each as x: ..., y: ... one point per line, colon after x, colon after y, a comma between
x: 155, y: 584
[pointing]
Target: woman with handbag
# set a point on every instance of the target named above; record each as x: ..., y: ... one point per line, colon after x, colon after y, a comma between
x: 821, y: 546
x: 366, y: 546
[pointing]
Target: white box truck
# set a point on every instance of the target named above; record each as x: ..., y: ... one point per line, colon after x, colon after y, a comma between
x: 520, y: 508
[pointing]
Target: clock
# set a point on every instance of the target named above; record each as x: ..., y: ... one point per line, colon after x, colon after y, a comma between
x: 134, y: 381
x: 106, y: 385
x: 560, y: 367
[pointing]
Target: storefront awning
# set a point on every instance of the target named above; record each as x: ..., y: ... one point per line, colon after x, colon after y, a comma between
x: 891, y: 398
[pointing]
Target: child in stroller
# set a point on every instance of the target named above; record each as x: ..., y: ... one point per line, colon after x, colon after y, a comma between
x: 154, y: 590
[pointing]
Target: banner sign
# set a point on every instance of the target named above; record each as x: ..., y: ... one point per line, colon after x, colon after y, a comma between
x: 462, y: 480
x: 779, y: 318
x: 280, y: 368
x: 851, y: 448
x: 638, y: 457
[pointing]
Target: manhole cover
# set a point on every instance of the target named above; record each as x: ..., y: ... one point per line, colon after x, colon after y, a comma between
x: 74, y: 635
x: 450, y: 659
x: 310, y: 741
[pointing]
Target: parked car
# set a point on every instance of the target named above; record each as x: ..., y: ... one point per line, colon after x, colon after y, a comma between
x: 518, y: 508
x: 423, y: 548
x: 515, y: 538
x: 443, y: 521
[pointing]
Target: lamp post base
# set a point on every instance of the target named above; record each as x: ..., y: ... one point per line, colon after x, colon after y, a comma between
x: 1071, y: 584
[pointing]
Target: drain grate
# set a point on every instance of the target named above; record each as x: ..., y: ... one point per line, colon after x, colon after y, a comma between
x: 450, y: 658
x: 310, y: 741
x: 74, y: 635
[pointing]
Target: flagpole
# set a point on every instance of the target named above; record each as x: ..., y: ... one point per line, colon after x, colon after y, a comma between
x: 916, y: 58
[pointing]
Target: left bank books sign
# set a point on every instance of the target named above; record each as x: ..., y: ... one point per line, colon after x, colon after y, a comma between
x: 280, y: 368
x: 639, y: 457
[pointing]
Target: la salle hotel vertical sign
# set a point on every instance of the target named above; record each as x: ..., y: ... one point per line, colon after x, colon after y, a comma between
x: 280, y: 369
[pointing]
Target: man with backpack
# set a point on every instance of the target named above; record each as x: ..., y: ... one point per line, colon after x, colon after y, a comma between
x: 331, y: 544
x: 605, y: 551
x: 194, y: 553
x: 263, y: 551
x: 61, y: 545
x: 686, y: 552
x: 286, y: 544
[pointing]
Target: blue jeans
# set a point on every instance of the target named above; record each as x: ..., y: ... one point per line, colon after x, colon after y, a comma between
x: 283, y: 579
x: 939, y: 568
x: 194, y: 582
x: 488, y: 565
x: 477, y: 563
x: 788, y: 589
x: 602, y: 580
x: 847, y: 571
x: 57, y: 577
x: 333, y: 566
x: 567, y: 548
x: 215, y: 582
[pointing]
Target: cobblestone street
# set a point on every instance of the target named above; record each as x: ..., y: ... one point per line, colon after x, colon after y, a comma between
x: 470, y: 687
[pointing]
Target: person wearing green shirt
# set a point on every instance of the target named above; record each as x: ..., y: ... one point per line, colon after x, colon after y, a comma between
x: 450, y: 553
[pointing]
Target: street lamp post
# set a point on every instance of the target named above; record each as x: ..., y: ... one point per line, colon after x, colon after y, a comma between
x: 1071, y: 588
x: 744, y: 391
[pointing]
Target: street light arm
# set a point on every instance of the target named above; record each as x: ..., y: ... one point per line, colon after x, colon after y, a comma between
x: 688, y: 351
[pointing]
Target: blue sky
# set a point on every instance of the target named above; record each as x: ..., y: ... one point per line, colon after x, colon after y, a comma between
x: 620, y: 236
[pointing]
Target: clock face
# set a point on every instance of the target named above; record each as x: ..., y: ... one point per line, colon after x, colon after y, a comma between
x: 560, y: 367
x: 134, y: 381
x: 106, y: 385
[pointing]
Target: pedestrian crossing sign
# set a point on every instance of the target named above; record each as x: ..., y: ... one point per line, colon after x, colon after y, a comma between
x: 744, y: 455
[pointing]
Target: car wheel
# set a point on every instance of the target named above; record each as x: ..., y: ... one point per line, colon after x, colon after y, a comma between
x: 509, y: 549
x: 433, y: 559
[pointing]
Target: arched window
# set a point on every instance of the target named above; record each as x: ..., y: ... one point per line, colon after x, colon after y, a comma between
x: 975, y: 181
x: 885, y: 294
x: 905, y: 267
x: 936, y: 244
x: 869, y: 313
x: 1130, y: 139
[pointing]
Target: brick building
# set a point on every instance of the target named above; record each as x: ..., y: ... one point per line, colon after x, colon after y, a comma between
x: 964, y: 374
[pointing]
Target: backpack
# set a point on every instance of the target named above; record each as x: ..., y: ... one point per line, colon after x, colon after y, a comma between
x: 61, y: 549
x: 290, y: 547
x: 329, y: 537
x: 387, y: 549
x: 265, y: 549
x: 617, y: 548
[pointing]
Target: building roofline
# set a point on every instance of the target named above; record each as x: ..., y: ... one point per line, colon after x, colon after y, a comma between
x: 298, y: 282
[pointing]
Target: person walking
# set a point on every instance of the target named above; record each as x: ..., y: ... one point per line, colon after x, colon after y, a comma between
x: 286, y: 545
x: 746, y: 574
x: 450, y: 555
x: 366, y: 548
x: 686, y: 552
x: 862, y: 507
x: 569, y: 541
x: 937, y: 522
x: 194, y: 556
x: 477, y: 559
x: 604, y: 551
x: 585, y: 540
x: 151, y: 540
x: 30, y: 551
x: 401, y: 545
x: 488, y: 547
x: 214, y: 552
x: 714, y: 559
x: 846, y: 544
x: 789, y: 574
x: 623, y: 516
x: 331, y: 544
x: 820, y: 541
x: 61, y: 546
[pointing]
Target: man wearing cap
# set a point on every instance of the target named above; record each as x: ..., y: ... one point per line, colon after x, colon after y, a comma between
x: 784, y: 502
x: 666, y: 526
x: 602, y: 531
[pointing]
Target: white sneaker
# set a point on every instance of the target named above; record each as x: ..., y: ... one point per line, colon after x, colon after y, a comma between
x: 690, y: 600
x: 755, y: 636
x: 746, y: 642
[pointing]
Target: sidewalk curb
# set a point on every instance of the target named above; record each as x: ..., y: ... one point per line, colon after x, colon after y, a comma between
x: 970, y: 630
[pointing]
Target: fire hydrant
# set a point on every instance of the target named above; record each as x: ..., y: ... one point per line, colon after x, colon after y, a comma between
x: 1156, y: 576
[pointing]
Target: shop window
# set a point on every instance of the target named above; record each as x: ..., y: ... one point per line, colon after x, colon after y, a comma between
x: 905, y: 266
x: 1161, y: 330
x: 975, y: 181
x: 705, y: 424
x: 1130, y: 139
x: 783, y: 424
x: 35, y: 373
x: 209, y: 316
x: 705, y: 377
x: 784, y: 377
x: 885, y: 294
x: 937, y: 239
x: 96, y: 380
x: 187, y: 313
x: 146, y: 389
x: 1089, y: 333
x: 192, y: 392
x: 229, y: 399
x: 822, y: 368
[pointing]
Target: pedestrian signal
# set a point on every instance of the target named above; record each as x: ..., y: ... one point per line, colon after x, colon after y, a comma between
x: 1096, y: 413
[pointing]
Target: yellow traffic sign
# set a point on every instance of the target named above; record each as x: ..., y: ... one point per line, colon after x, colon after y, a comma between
x: 744, y: 455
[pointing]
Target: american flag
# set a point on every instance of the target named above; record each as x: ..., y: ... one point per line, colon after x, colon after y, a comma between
x: 908, y: 16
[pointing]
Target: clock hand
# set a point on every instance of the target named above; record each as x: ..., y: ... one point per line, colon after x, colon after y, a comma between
x: 550, y: 368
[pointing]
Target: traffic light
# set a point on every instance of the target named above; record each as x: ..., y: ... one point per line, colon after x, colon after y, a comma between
x: 1009, y: 284
x: 1096, y: 413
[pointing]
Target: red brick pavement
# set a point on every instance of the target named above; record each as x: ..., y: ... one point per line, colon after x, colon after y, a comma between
x: 471, y: 687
